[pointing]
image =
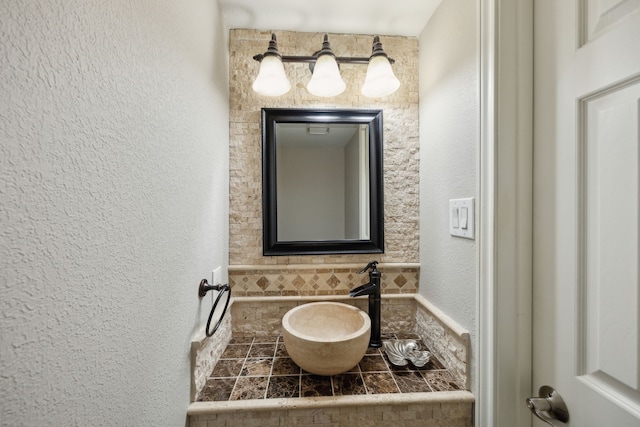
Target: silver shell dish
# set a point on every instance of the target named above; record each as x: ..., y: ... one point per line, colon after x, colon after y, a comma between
x: 400, y: 352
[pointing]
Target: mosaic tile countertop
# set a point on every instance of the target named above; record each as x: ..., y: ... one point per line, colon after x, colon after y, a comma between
x: 260, y: 368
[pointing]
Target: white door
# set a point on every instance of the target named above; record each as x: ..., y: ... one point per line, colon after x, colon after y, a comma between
x: 586, y: 208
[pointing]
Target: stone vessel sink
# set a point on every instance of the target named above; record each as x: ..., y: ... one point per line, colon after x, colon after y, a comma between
x: 326, y: 338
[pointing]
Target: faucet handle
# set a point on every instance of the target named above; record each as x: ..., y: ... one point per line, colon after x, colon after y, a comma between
x: 372, y: 265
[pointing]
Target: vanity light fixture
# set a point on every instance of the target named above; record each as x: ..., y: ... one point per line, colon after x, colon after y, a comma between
x: 325, y: 80
x: 271, y: 80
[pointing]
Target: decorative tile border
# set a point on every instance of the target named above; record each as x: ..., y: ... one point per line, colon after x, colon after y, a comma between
x: 318, y: 280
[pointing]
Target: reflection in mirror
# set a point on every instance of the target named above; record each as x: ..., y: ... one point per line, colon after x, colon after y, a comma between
x: 322, y: 181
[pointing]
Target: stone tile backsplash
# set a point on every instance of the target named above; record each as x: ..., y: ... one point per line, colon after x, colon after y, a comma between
x: 263, y: 317
x: 401, y: 144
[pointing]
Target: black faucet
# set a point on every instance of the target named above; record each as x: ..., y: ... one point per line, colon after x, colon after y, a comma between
x: 373, y: 290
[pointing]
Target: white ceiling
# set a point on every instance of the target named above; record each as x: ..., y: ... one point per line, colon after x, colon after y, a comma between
x: 384, y: 17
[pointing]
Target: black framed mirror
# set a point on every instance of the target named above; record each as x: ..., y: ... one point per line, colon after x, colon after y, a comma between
x: 322, y: 181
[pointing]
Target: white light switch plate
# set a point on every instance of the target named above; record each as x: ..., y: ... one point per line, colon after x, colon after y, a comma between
x: 459, y: 225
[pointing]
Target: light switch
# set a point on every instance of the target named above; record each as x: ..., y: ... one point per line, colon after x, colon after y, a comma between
x: 461, y: 213
x: 463, y: 217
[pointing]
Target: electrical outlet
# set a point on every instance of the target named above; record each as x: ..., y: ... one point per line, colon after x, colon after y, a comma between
x: 216, y: 276
x: 216, y: 279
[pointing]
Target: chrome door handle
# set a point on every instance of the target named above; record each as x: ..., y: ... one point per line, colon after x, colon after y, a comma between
x: 549, y: 407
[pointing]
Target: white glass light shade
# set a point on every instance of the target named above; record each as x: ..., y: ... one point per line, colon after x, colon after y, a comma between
x: 271, y: 80
x: 326, y: 80
x: 380, y: 80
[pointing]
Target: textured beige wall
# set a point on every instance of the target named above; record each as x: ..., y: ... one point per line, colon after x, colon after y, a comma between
x: 449, y: 112
x: 401, y: 155
x: 113, y: 205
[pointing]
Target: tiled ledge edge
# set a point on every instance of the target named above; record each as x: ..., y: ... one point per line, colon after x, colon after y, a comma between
x: 307, y: 299
x: 198, y: 408
x: 443, y: 318
x: 316, y: 266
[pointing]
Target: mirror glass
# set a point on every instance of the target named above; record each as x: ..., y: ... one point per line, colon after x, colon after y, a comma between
x: 322, y: 181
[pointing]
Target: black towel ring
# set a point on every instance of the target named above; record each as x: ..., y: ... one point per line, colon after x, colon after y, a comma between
x: 223, y: 290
